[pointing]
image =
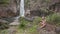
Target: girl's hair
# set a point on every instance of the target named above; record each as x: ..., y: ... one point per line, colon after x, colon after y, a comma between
x: 43, y: 18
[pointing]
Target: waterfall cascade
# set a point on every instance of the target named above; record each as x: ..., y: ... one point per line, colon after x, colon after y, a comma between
x: 22, y: 11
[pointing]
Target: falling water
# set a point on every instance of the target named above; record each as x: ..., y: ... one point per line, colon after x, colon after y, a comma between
x: 22, y: 11
x: 16, y: 21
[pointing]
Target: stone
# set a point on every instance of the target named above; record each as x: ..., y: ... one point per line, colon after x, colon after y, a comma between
x: 29, y: 19
x: 57, y: 30
x: 9, y: 10
x: 4, y: 24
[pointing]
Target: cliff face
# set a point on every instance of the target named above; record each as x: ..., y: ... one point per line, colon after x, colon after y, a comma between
x: 8, y: 10
x: 30, y: 6
x: 38, y: 5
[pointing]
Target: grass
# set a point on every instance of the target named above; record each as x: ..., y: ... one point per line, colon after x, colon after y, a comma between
x: 26, y: 27
x: 3, y: 31
x: 29, y: 27
x: 53, y: 19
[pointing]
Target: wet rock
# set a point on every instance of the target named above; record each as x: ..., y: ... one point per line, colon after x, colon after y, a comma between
x: 4, y: 24
x: 35, y: 13
x: 3, y: 21
x: 29, y: 19
x: 57, y: 30
x: 46, y: 32
x: 11, y: 19
x: 10, y: 10
x: 7, y: 12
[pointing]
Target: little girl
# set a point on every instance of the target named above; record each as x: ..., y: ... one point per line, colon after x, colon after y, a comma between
x: 43, y: 22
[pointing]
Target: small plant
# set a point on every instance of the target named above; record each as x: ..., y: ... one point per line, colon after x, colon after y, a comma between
x: 37, y: 20
x: 23, y: 22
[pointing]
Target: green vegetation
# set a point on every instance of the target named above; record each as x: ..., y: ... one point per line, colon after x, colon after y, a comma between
x: 29, y: 26
x: 27, y: 3
x: 54, y: 19
x: 4, y: 1
x: 3, y: 32
x: 46, y: 12
x: 23, y: 23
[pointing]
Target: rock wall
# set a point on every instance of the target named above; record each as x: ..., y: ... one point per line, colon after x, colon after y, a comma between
x: 9, y: 10
x: 35, y: 5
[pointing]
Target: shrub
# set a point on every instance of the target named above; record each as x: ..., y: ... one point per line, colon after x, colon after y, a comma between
x: 27, y: 24
x: 37, y: 20
x: 23, y: 23
x: 53, y: 19
x: 45, y: 11
x: 4, y: 1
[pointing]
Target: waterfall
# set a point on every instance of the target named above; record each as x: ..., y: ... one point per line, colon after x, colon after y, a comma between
x: 22, y: 11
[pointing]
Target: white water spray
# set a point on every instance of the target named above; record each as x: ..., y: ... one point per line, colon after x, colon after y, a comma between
x: 22, y: 11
